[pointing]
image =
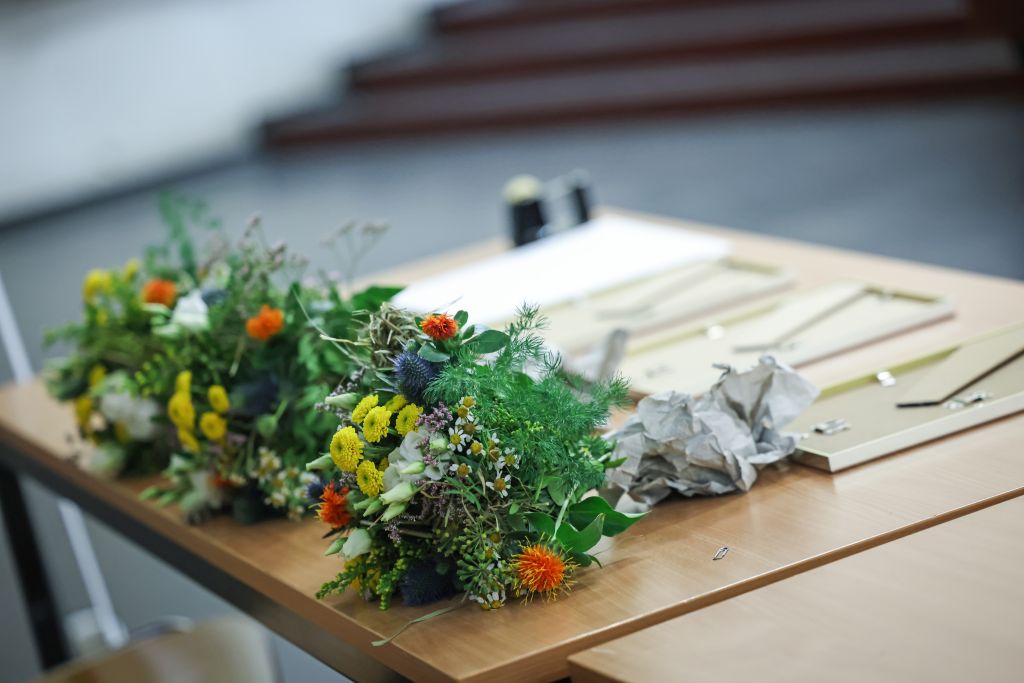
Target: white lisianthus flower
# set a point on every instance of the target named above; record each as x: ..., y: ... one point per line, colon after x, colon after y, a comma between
x: 191, y: 312
x: 358, y: 543
x: 393, y: 511
x: 106, y: 460
x: 405, y: 463
x: 402, y: 492
x: 136, y: 414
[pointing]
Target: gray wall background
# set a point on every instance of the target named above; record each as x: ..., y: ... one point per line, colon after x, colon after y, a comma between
x: 939, y: 183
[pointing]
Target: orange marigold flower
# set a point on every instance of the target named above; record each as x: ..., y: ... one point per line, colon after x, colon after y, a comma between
x: 265, y: 324
x: 159, y: 291
x: 334, y: 508
x: 541, y: 569
x: 439, y: 326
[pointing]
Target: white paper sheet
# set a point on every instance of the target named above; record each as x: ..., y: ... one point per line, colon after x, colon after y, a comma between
x: 605, y: 252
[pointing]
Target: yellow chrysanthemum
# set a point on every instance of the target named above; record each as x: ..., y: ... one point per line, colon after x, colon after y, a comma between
x: 218, y: 396
x: 406, y: 420
x: 96, y: 282
x: 375, y: 426
x: 363, y: 407
x: 346, y: 449
x: 83, y: 411
x: 213, y: 426
x: 383, y: 464
x: 96, y: 375
x: 188, y: 441
x: 183, y: 382
x: 181, y: 411
x: 396, y: 403
x: 369, y: 478
x: 131, y: 269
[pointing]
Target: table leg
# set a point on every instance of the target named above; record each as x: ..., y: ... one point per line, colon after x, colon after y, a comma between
x: 51, y: 643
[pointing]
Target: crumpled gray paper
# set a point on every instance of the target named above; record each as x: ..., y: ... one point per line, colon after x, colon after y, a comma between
x: 711, y: 445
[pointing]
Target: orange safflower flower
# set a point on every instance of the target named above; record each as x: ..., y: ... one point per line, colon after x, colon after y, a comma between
x: 334, y: 508
x: 540, y: 569
x: 265, y: 324
x: 159, y: 291
x: 439, y: 326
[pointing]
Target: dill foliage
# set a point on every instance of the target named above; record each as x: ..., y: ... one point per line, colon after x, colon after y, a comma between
x: 527, y: 395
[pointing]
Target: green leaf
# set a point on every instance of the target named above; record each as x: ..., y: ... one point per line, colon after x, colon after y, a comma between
x: 335, y: 547
x: 541, y: 523
x: 462, y: 317
x: 371, y: 298
x: 167, y: 498
x: 583, y: 559
x: 556, y: 489
x: 428, y: 352
x: 516, y: 522
x: 587, y: 510
x: 321, y: 463
x: 488, y: 341
x: 581, y: 541
x: 612, y: 464
x: 150, y: 493
x: 513, y: 508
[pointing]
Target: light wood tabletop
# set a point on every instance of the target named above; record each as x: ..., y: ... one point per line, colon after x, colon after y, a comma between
x: 940, y: 605
x: 662, y: 568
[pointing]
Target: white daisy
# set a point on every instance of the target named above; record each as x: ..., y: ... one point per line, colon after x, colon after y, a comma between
x: 269, y: 464
x: 277, y: 499
x: 457, y: 439
x: 468, y: 424
x: 500, y: 485
x: 510, y: 459
x: 461, y: 470
x: 492, y: 600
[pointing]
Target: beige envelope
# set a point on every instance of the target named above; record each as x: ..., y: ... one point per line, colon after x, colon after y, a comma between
x: 797, y: 329
x: 656, y: 301
x: 909, y: 403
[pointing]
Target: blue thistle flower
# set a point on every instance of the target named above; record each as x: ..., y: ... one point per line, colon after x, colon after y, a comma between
x: 423, y: 584
x: 315, y: 491
x: 414, y: 374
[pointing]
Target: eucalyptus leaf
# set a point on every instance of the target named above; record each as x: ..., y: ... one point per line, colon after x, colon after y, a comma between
x: 587, y: 510
x: 488, y: 341
x: 556, y: 489
x: 542, y: 523
x: 428, y: 352
x: 581, y: 541
x: 462, y: 317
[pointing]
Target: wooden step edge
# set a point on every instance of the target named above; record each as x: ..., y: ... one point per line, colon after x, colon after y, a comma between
x: 488, y: 14
x: 362, y: 77
x: 290, y: 134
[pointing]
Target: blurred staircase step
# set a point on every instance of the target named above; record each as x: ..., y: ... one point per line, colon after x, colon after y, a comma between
x: 472, y: 15
x: 793, y: 77
x: 651, y: 32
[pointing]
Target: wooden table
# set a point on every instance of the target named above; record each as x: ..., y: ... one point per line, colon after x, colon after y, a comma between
x: 940, y: 605
x: 792, y: 521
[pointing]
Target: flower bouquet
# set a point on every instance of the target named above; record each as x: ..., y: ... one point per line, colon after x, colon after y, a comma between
x: 462, y: 463
x: 210, y: 366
